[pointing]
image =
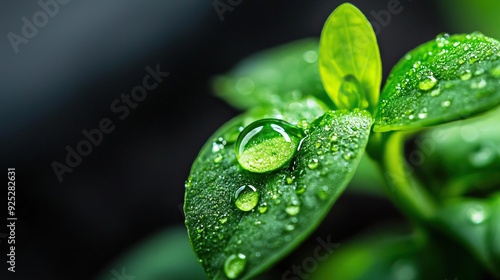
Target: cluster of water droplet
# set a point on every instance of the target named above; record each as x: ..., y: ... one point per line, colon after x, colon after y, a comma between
x: 452, y: 70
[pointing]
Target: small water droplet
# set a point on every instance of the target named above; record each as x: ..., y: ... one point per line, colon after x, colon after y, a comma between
x: 411, y: 117
x: 350, y: 94
x: 246, y: 197
x: 223, y: 220
x: 323, y: 193
x: 428, y: 83
x: 289, y: 227
x: 313, y: 163
x: 446, y: 103
x: 218, y: 158
x: 417, y: 64
x: 478, y: 84
x: 435, y: 92
x: 267, y: 145
x: 466, y: 75
x: 310, y: 56
x: 300, y: 189
x: 476, y: 214
x: 293, y: 209
x: 422, y: 115
x: 290, y: 179
x: 479, y: 71
x: 473, y: 58
x: 262, y: 208
x: 235, y: 265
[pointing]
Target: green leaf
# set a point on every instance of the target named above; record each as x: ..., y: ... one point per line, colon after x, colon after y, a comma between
x: 349, y: 59
x: 166, y: 255
x: 389, y: 255
x: 449, y: 78
x: 276, y: 76
x: 232, y: 243
x: 476, y: 223
x: 461, y: 158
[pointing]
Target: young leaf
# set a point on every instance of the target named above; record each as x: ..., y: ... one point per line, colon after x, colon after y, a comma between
x: 476, y: 223
x: 349, y: 59
x: 283, y: 74
x: 446, y: 79
x: 240, y: 222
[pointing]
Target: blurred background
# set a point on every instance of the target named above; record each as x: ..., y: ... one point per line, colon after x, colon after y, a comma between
x: 83, y: 55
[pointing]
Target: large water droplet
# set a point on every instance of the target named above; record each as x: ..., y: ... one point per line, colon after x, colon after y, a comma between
x: 323, y: 193
x: 267, y: 145
x: 476, y: 214
x: 479, y: 84
x: 428, y: 83
x: 350, y: 93
x: 235, y: 265
x: 247, y: 198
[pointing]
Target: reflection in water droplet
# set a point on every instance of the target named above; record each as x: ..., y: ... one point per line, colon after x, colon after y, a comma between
x: 428, y: 83
x: 313, y: 163
x: 351, y: 94
x: 466, y: 76
x: 235, y: 265
x: 247, y: 198
x: 476, y: 214
x: 267, y: 145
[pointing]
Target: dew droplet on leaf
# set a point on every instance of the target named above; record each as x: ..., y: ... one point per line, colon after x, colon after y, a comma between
x: 427, y: 83
x: 234, y: 265
x: 267, y: 145
x: 247, y: 198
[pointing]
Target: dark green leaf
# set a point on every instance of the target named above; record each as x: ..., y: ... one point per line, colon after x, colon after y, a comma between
x: 446, y: 79
x: 167, y: 255
x: 349, y: 59
x: 461, y: 158
x: 276, y: 76
x: 476, y: 223
x: 392, y: 256
x: 292, y: 200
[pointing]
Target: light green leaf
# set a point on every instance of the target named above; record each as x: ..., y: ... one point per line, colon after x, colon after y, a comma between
x: 278, y: 209
x: 476, y: 223
x: 449, y: 78
x: 280, y: 75
x: 349, y: 59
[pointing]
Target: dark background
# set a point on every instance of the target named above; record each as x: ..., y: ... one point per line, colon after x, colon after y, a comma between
x: 131, y: 186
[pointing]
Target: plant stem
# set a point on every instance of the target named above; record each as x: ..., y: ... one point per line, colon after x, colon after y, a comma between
x: 403, y: 189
